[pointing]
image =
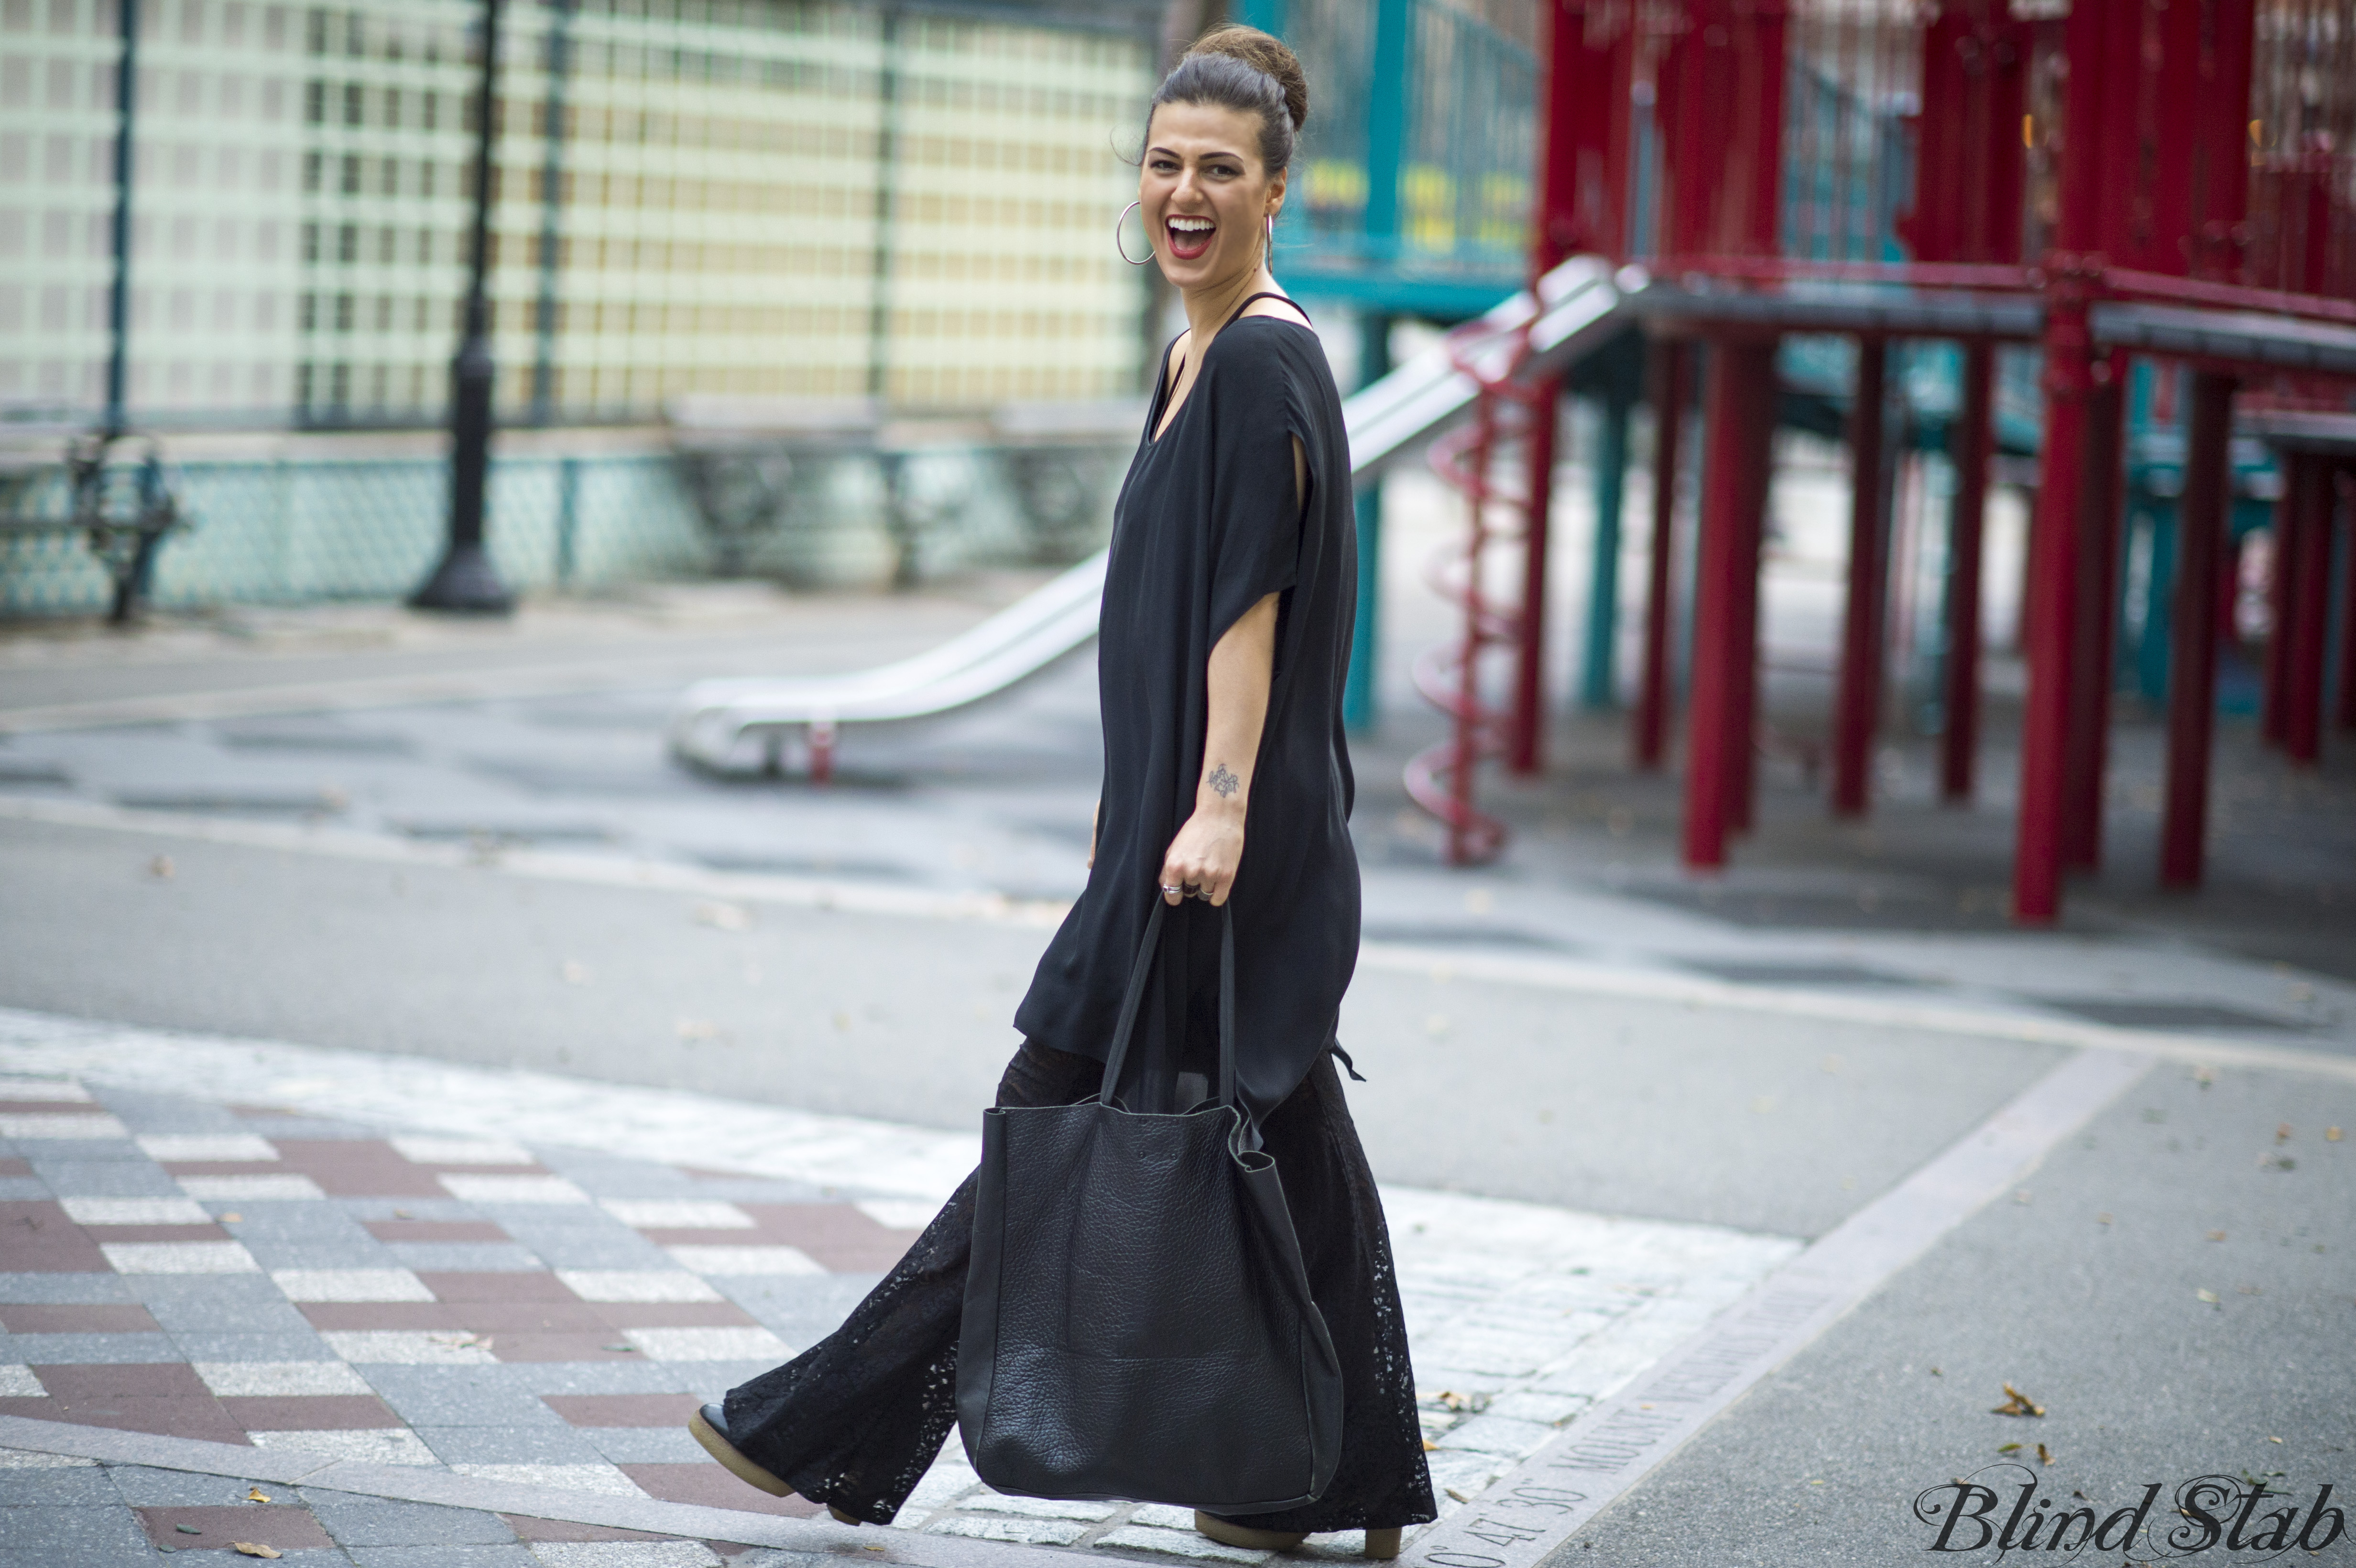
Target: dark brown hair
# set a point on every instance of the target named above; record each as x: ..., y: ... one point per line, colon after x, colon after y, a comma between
x: 1241, y: 67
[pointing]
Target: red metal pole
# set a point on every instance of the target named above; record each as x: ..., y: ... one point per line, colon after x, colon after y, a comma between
x: 1525, y: 753
x: 1710, y: 707
x: 2192, y: 655
x: 1758, y: 473
x: 1667, y: 370
x: 2052, y: 610
x: 2307, y: 591
x: 1973, y: 431
x: 1856, y: 704
x: 2347, y: 714
x: 2091, y: 651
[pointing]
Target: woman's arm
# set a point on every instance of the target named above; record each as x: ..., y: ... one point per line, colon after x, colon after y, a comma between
x: 1204, y: 857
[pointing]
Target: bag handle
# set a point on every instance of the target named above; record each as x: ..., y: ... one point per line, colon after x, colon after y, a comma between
x: 1148, y: 949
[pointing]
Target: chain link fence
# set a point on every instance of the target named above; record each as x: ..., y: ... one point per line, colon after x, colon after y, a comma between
x: 294, y: 530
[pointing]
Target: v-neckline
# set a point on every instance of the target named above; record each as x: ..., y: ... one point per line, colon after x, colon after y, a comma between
x: 1164, y: 419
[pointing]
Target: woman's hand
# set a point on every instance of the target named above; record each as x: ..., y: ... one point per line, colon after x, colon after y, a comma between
x: 1202, y: 858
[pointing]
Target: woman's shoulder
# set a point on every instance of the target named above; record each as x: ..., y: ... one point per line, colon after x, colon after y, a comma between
x: 1268, y: 352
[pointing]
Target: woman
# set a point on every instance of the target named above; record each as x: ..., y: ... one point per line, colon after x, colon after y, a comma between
x: 1228, y: 609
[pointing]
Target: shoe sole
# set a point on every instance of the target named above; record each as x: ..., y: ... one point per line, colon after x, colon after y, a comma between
x: 1382, y: 1545
x: 734, y: 1463
x: 1244, y: 1537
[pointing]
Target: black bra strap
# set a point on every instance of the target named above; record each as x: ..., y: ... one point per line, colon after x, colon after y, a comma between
x: 1248, y: 300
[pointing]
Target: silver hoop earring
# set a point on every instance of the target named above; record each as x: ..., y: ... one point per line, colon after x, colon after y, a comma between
x: 1117, y: 245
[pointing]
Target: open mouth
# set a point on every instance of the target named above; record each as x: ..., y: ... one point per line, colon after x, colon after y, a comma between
x: 1188, y: 237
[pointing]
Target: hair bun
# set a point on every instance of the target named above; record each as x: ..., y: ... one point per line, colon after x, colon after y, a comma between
x: 1263, y: 52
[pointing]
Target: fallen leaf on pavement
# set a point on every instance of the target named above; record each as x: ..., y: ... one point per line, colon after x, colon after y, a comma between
x: 232, y: 1219
x: 252, y: 1549
x: 1429, y: 1446
x: 621, y: 1347
x: 2282, y: 1131
x: 2274, y: 1439
x: 2216, y: 1236
x: 1459, y: 1497
x: 2017, y: 1404
x: 188, y: 1530
x: 2101, y: 1219
x: 161, y: 866
x: 2008, y: 1447
x: 2208, y: 1295
x: 2044, y: 1455
x: 2331, y: 1135
x: 256, y: 1495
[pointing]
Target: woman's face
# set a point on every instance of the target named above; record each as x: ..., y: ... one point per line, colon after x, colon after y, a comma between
x: 1204, y: 194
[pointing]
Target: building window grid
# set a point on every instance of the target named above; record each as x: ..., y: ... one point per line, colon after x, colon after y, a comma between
x: 740, y: 277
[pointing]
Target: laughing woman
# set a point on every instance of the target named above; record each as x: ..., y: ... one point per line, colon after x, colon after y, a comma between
x: 1228, y: 606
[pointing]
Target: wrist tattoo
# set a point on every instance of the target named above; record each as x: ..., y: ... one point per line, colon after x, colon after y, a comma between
x: 1223, y: 783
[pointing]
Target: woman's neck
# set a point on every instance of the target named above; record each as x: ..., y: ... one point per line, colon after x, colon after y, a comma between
x: 1208, y: 307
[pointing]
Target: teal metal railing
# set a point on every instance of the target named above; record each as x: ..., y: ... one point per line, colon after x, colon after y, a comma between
x: 1412, y: 190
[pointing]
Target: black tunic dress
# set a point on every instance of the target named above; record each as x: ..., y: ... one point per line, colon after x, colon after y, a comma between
x: 1206, y: 525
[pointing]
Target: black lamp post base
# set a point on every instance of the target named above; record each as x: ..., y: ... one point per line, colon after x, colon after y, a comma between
x: 465, y: 585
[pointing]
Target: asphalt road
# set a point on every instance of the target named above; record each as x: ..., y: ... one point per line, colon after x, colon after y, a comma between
x: 2176, y: 1286
x: 1650, y: 1108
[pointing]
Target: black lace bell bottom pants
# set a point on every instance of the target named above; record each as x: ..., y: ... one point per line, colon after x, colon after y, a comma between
x: 856, y: 1420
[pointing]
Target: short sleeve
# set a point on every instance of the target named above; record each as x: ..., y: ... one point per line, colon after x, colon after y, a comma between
x: 1256, y: 513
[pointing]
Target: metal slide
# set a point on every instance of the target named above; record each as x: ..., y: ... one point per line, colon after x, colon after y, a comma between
x: 725, y: 724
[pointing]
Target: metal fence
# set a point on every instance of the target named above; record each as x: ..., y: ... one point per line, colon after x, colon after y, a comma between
x: 316, y: 528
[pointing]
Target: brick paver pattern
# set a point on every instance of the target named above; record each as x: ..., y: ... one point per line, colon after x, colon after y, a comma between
x: 251, y: 1275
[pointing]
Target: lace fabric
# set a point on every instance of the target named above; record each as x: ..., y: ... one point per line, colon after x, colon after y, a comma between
x: 855, y: 1420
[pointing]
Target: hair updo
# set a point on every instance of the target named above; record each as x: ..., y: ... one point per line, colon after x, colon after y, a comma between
x: 1241, y: 67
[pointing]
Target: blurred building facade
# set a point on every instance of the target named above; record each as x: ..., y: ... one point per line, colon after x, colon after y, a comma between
x: 767, y: 198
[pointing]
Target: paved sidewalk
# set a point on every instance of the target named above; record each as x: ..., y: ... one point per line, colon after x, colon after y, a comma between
x: 199, y: 1242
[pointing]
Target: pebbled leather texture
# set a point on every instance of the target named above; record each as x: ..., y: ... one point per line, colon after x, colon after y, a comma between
x: 1138, y: 1322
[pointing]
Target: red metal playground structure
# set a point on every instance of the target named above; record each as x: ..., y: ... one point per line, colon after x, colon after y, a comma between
x: 2101, y: 179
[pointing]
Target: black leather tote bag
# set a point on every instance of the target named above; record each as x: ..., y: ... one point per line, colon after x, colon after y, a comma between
x: 1137, y: 1323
